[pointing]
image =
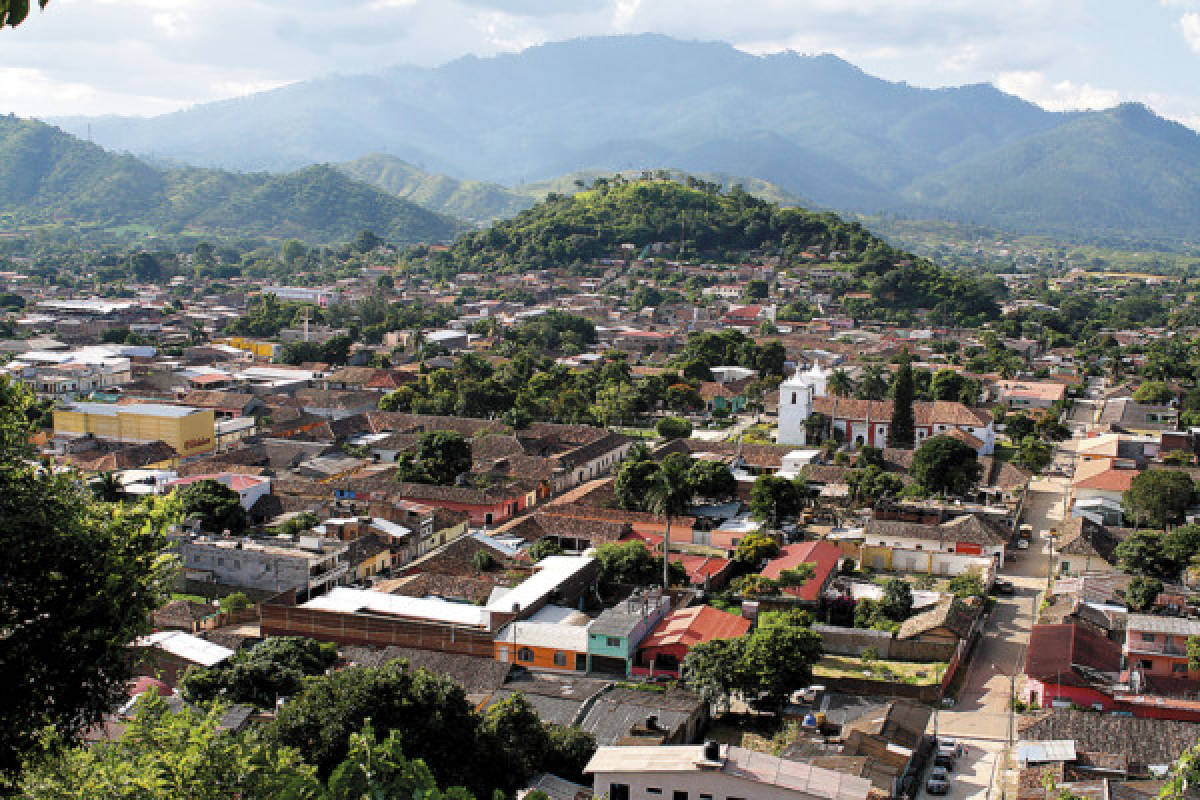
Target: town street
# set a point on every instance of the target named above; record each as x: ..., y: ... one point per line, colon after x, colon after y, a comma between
x: 981, y: 717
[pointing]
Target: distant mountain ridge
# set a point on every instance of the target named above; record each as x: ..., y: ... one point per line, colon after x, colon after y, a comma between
x: 50, y: 176
x: 816, y: 126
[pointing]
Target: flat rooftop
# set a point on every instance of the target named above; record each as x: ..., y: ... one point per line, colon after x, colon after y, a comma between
x: 141, y: 409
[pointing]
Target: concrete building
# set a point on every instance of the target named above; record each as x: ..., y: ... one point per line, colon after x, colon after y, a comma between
x: 189, y: 431
x: 712, y: 771
x: 796, y: 403
x: 614, y: 636
x: 310, y: 565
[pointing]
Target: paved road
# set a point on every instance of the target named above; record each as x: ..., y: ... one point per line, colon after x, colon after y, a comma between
x: 982, y: 708
x: 973, y: 772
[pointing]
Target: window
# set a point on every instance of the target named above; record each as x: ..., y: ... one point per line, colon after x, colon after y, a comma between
x: 612, y: 641
x: 1146, y: 664
x: 1147, y: 637
x: 560, y: 659
x: 618, y: 791
x: 524, y: 654
x: 1179, y: 668
x: 679, y: 796
x: 706, y: 797
x: 793, y: 398
x: 654, y: 790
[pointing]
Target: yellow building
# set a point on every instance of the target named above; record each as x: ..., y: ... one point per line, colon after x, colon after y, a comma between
x: 188, y: 430
x: 256, y: 347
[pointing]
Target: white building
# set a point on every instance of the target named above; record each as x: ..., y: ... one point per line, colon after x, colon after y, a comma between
x: 714, y: 772
x: 796, y: 401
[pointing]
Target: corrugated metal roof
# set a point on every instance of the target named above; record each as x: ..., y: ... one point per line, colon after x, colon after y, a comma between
x: 1041, y: 752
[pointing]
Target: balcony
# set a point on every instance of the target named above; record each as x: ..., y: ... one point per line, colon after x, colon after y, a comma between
x: 1155, y: 648
x: 330, y: 576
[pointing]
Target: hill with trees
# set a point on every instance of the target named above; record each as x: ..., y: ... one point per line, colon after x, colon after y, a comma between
x: 817, y: 126
x: 700, y: 220
x: 47, y: 176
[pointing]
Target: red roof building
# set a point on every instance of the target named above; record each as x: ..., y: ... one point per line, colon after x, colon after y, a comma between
x: 825, y: 558
x: 1068, y: 663
x: 663, y: 651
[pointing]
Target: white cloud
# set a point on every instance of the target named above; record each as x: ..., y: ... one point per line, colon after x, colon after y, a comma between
x: 1056, y: 95
x: 33, y: 93
x: 1190, y: 25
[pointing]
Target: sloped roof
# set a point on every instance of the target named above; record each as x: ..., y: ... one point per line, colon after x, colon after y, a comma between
x: 1055, y: 650
x: 950, y: 613
x: 691, y: 626
x: 824, y: 556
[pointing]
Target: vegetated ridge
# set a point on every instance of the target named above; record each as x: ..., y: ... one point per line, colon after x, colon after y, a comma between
x: 47, y: 176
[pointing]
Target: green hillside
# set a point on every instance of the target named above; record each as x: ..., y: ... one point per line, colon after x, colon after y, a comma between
x: 47, y: 176
x: 475, y: 201
x: 565, y: 231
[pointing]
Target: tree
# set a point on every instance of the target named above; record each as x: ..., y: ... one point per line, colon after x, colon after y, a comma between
x: 870, y: 456
x: 173, y: 754
x: 1018, y: 426
x: 145, y: 266
x: 236, y: 601
x: 870, y: 484
x: 78, y: 582
x: 669, y: 495
x: 779, y: 659
x: 441, y: 457
x: 13, y: 12
x: 429, y: 712
x: 483, y: 561
x: 840, y: 384
x: 712, y: 480
x: 873, y: 385
x: 897, y: 600
x: 515, y: 729
x: 378, y: 769
x: 633, y: 482
x: 754, y: 549
x: 947, y: 385
x: 1155, y: 393
x: 902, y: 429
x: 773, y: 499
x: 107, y: 487
x: 1034, y: 454
x: 715, y: 669
x: 1193, y: 653
x: 542, y: 548
x: 570, y: 751
x: 1179, y: 546
x: 625, y: 562
x: 946, y: 464
x: 1158, y: 497
x: 293, y: 251
x: 681, y: 398
x: 1141, y: 553
x: 260, y: 675
x: 218, y: 507
x: 1142, y: 592
x: 673, y: 428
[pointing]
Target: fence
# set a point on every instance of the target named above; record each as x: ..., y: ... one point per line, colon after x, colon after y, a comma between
x: 852, y: 641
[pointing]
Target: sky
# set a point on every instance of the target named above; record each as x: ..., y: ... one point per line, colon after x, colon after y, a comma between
x: 145, y: 57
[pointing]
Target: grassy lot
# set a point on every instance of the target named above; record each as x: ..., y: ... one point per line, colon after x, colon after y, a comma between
x: 758, y: 434
x: 916, y: 673
x: 764, y: 733
x: 638, y: 433
x: 195, y: 598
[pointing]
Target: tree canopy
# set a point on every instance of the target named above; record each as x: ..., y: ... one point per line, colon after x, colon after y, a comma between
x: 78, y: 581
x: 1158, y: 497
x: 218, y: 507
x: 441, y: 457
x: 945, y: 464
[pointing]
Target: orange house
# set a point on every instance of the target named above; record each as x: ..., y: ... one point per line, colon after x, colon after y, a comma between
x: 555, y: 638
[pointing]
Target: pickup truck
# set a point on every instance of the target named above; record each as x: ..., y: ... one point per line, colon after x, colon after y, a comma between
x: 938, y: 781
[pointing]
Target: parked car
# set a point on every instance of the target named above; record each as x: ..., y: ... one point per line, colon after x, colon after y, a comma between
x: 938, y: 781
x: 1022, y: 544
x: 1001, y: 586
x: 947, y: 752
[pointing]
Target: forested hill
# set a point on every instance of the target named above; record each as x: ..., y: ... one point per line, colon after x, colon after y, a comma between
x: 48, y: 176
x: 712, y: 224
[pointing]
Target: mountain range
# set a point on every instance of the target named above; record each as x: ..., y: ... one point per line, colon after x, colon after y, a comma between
x: 48, y: 176
x: 816, y: 126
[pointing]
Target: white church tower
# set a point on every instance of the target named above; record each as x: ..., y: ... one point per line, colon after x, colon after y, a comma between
x: 796, y: 403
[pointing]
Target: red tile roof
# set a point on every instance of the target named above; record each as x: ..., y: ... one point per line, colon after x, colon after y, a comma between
x: 1055, y: 650
x: 691, y: 626
x: 824, y: 556
x: 1111, y: 480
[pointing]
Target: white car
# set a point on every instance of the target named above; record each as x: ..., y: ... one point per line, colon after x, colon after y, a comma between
x: 1022, y: 544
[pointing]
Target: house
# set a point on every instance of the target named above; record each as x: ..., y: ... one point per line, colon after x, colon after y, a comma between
x: 663, y: 651
x: 553, y: 638
x: 1140, y: 744
x: 614, y: 636
x: 249, y: 488
x: 713, y: 770
x: 1070, y: 664
x: 823, y: 556
x: 1084, y: 546
x: 893, y: 543
x: 1125, y: 414
x: 1157, y: 646
x: 730, y: 397
x: 950, y: 621
x: 168, y: 654
x: 1098, y: 488
x: 1016, y: 395
x: 310, y: 565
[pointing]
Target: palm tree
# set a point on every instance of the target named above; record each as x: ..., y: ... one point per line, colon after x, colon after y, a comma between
x: 196, y: 333
x: 107, y: 487
x: 840, y: 383
x: 669, y: 495
x: 872, y: 386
